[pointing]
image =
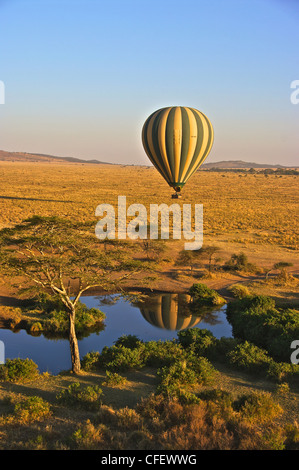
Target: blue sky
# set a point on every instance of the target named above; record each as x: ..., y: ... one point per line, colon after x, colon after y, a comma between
x: 81, y: 76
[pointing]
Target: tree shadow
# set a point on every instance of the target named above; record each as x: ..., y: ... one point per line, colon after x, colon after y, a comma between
x: 8, y: 301
x: 32, y: 199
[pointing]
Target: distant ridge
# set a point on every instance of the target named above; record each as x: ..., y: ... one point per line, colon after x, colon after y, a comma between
x: 39, y: 157
x: 239, y: 164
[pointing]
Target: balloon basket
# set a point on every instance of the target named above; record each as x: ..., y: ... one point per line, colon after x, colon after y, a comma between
x: 176, y: 196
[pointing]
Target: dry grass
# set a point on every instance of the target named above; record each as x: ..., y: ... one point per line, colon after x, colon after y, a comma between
x: 251, y: 214
x: 247, y: 209
x: 120, y: 424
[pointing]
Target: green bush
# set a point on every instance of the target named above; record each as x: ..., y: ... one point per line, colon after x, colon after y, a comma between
x: 120, y: 358
x: 282, y: 370
x: 55, y: 320
x: 218, y: 396
x: 256, y: 319
x: 87, y: 397
x: 87, y: 319
x: 18, y: 370
x: 175, y: 378
x: 221, y: 347
x: 239, y: 263
x: 249, y: 357
x: 113, y: 379
x: 32, y: 409
x: 90, y: 361
x: 163, y: 353
x: 197, y: 339
x: 258, y: 407
x: 203, y: 295
x: 181, y: 376
x: 240, y: 291
x: 91, y: 437
x: 292, y: 436
x: 128, y: 341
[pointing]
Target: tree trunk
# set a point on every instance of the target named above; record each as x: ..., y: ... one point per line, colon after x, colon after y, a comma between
x: 75, y: 356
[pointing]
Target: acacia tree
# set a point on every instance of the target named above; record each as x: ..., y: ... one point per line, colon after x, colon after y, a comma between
x: 66, y: 259
x: 191, y: 257
x: 280, y: 266
x: 210, y: 252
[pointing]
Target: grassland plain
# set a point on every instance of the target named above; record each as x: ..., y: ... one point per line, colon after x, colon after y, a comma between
x: 249, y: 213
x: 243, y: 207
x: 242, y: 212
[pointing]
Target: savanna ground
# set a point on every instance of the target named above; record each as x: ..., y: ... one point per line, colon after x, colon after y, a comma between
x: 248, y: 213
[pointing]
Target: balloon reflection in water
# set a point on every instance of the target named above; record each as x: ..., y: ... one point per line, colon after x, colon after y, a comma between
x: 172, y: 311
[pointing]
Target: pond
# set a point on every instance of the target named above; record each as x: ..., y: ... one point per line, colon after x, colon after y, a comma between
x: 158, y: 317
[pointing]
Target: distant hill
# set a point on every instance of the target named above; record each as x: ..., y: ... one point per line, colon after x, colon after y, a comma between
x: 39, y: 157
x: 239, y: 164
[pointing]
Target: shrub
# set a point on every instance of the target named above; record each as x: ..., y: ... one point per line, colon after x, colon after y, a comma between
x: 91, y: 437
x: 32, y: 409
x: 197, y: 339
x: 258, y: 407
x: 218, y: 396
x: 204, y: 370
x: 35, y: 327
x: 113, y: 379
x: 181, y: 376
x: 240, y: 291
x: 87, y: 397
x: 18, y: 370
x: 128, y: 341
x: 129, y: 418
x: 120, y: 358
x: 90, y: 361
x: 175, y: 378
x: 203, y: 295
x: 55, y: 318
x: 292, y: 436
x: 283, y: 389
x: 239, y: 263
x: 220, y: 349
x: 256, y: 319
x: 219, y: 403
x: 163, y: 353
x: 282, y: 370
x: 87, y: 319
x: 249, y: 357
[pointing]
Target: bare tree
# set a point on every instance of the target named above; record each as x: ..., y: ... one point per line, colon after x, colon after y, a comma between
x: 61, y: 257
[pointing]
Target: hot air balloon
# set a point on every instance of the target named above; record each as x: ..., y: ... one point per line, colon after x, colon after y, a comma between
x: 177, y: 140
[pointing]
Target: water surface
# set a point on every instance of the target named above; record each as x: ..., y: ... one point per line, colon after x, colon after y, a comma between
x: 159, y: 317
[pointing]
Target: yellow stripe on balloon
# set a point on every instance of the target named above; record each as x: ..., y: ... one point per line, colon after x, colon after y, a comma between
x: 192, y: 142
x: 177, y: 141
x: 203, y: 145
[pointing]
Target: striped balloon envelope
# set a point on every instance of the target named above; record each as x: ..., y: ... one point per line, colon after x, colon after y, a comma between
x: 177, y: 140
